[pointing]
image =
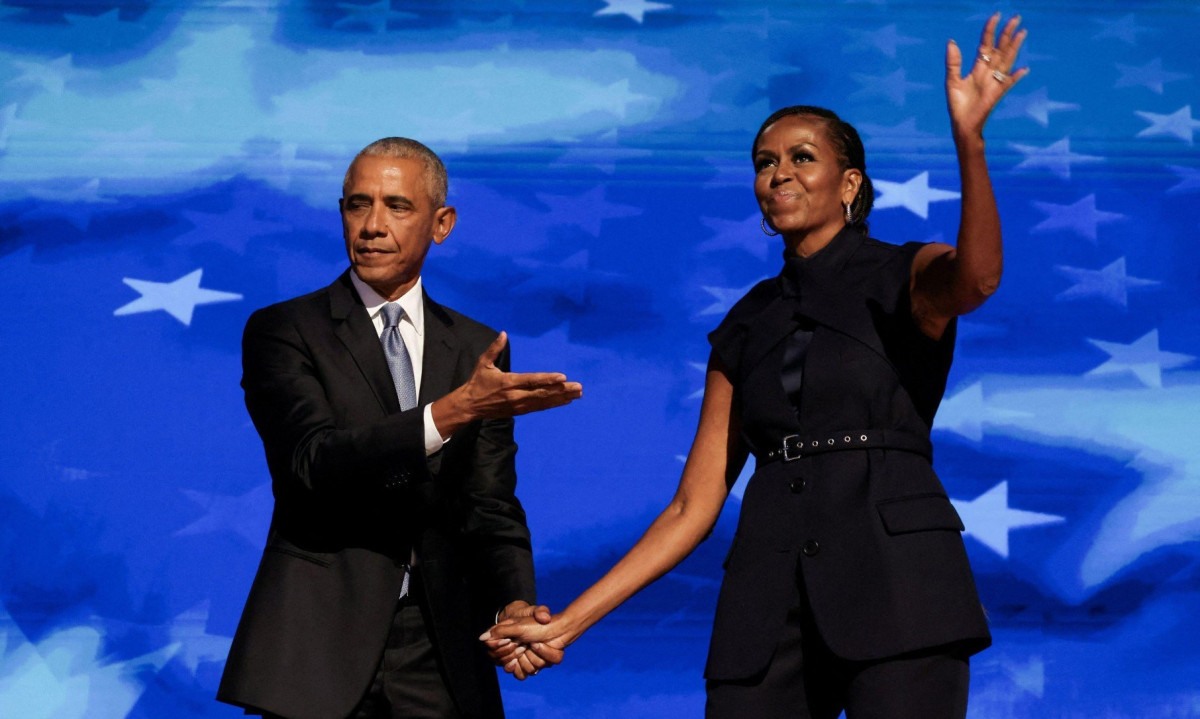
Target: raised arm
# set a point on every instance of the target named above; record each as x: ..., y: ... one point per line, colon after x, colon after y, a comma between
x: 951, y: 281
x: 712, y: 467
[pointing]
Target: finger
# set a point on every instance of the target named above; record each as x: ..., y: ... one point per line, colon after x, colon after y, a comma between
x: 953, y: 61
x: 989, y: 31
x: 542, y: 614
x: 536, y: 380
x: 1006, y: 35
x: 1016, y: 47
x: 551, y: 655
x: 526, y: 665
x: 514, y: 668
x: 537, y: 662
x: 488, y: 358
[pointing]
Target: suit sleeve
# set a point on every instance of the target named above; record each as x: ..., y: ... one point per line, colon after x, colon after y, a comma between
x: 495, y: 520
x: 308, y: 447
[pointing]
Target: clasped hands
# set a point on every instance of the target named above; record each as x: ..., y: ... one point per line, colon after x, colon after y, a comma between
x: 524, y: 640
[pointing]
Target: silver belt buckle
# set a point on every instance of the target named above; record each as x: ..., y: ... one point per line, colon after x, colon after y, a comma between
x: 788, y: 457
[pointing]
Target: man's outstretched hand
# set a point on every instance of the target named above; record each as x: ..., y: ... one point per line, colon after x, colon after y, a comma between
x: 491, y: 393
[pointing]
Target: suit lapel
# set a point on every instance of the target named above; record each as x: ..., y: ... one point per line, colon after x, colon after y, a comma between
x: 440, y: 366
x: 353, y: 327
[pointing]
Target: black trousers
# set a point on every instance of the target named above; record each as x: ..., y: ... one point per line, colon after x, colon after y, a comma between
x: 805, y: 680
x: 409, y: 682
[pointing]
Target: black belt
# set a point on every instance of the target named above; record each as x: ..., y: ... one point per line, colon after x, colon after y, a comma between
x: 795, y: 446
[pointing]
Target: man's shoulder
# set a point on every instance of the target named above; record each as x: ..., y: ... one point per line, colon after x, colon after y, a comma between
x: 297, y: 311
x: 460, y: 324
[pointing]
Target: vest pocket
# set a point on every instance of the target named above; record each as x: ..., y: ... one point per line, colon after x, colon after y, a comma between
x: 919, y: 513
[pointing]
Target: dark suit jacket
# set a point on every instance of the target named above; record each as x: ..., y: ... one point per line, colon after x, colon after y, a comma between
x: 868, y: 535
x: 354, y: 493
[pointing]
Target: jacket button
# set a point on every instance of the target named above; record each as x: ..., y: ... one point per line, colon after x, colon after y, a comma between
x: 811, y: 547
x: 798, y: 485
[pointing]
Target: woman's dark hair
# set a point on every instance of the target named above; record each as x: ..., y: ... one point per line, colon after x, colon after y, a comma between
x: 849, y: 149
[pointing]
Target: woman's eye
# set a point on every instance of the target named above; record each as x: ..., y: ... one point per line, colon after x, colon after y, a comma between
x: 802, y: 157
x: 763, y: 164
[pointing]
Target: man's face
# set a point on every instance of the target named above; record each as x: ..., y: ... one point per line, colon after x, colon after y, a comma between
x: 389, y: 221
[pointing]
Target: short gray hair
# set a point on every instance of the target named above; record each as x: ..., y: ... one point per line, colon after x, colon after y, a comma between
x: 403, y: 148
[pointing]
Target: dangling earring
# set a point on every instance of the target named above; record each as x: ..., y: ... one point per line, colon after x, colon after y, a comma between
x: 766, y: 230
x: 849, y: 214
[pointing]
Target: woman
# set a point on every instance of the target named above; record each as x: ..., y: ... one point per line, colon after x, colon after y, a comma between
x: 847, y: 586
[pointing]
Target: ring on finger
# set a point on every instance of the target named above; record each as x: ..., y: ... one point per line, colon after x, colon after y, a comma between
x: 986, y: 58
x: 999, y: 76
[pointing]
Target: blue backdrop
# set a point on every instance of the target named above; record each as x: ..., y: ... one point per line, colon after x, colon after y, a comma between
x: 167, y: 167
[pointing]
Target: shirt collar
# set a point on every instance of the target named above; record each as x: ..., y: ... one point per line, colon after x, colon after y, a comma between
x: 412, y: 302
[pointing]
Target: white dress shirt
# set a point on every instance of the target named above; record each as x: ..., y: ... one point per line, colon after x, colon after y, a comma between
x: 412, y: 331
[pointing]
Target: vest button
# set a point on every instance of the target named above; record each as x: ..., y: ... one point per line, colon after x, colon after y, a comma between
x: 811, y: 547
x: 798, y: 485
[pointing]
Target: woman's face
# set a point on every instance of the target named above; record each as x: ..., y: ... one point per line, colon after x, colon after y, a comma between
x: 799, y: 182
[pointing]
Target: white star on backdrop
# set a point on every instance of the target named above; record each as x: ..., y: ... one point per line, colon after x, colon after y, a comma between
x: 1176, y: 124
x: 746, y: 235
x: 1151, y: 75
x: 1055, y: 157
x: 894, y: 87
x: 966, y: 412
x: 702, y: 368
x: 1189, y: 179
x: 1110, y: 283
x: 571, y: 278
x: 231, y: 229
x: 244, y: 515
x: 989, y: 519
x: 1123, y: 28
x: 189, y: 631
x: 375, y: 16
x: 635, y: 9
x: 1081, y: 217
x: 1142, y: 357
x: 725, y: 298
x: 588, y: 210
x: 614, y: 98
x: 913, y: 195
x: 51, y: 76
x: 886, y: 39
x: 177, y: 298
x: 905, y: 131
x: 1035, y: 105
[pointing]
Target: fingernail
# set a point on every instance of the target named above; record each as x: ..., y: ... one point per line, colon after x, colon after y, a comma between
x: 519, y: 651
x: 503, y: 643
x: 485, y: 636
x: 511, y: 664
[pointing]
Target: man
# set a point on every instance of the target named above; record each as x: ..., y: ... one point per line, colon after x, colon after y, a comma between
x: 396, y: 536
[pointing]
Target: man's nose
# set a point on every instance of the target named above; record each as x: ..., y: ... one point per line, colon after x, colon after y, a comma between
x: 374, y: 224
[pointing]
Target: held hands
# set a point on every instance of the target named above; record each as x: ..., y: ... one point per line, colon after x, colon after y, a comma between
x: 972, y: 98
x: 525, y: 641
x: 491, y: 393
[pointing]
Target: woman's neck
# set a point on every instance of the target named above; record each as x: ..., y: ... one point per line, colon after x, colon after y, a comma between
x: 810, y: 243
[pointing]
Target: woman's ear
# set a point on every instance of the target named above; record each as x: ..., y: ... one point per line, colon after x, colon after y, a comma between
x: 853, y: 181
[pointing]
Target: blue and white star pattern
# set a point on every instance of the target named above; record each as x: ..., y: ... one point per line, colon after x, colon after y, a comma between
x: 167, y: 168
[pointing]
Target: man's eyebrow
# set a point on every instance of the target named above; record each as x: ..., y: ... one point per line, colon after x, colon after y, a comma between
x: 398, y: 200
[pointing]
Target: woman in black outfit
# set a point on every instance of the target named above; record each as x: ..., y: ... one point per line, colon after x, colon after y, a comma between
x: 847, y: 586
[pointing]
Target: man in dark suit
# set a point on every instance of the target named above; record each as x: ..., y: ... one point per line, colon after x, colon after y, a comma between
x: 387, y: 424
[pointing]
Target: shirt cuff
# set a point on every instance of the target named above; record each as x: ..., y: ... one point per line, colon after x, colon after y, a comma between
x: 433, y: 438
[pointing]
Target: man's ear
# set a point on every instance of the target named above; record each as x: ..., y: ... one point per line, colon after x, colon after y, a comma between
x: 444, y: 219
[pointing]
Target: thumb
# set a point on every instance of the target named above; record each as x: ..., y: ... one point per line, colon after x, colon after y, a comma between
x: 953, y: 61
x: 488, y: 358
x: 542, y: 614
